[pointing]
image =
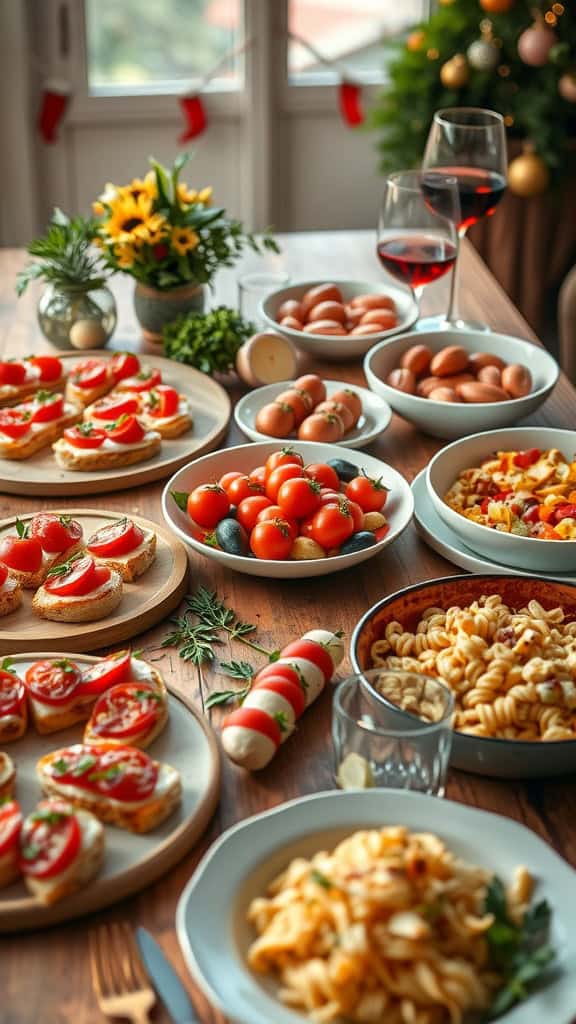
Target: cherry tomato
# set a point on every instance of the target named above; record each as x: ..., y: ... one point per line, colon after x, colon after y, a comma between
x: 271, y: 540
x: 126, y: 710
x: 73, y: 579
x: 124, y: 364
x: 328, y: 497
x: 21, y: 552
x: 563, y: 512
x: 258, y: 475
x: 162, y: 401
x: 285, y: 456
x: 292, y: 692
x: 90, y: 373
x: 381, y: 532
x: 312, y: 651
x: 332, y: 525
x: 114, y: 406
x: 50, y: 839
x: 368, y: 492
x: 525, y: 459
x: 109, y: 671
x: 299, y: 497
x: 117, y: 538
x: 227, y: 479
x: 142, y: 381
x: 50, y: 368
x: 300, y: 403
x: 325, y: 475
x: 249, y: 510
x: 12, y: 373
x: 53, y: 681
x: 357, y: 514
x: 275, y: 512
x: 306, y: 527
x: 313, y: 385
x: 279, y: 476
x: 208, y: 504
x: 10, y: 826
x: 126, y: 430
x: 47, y: 407
x: 56, y: 533
x: 12, y: 693
x: 243, y: 487
x: 85, y: 435
x: 14, y: 423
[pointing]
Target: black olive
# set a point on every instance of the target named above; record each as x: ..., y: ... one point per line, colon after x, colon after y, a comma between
x: 232, y: 537
x: 232, y: 512
x: 346, y: 470
x: 357, y: 542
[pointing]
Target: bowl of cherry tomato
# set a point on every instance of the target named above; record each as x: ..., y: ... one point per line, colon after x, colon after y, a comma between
x: 288, y: 513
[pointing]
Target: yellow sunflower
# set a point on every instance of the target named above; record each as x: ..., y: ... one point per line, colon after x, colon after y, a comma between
x: 184, y: 240
x: 107, y: 197
x: 157, y: 229
x: 125, y: 255
x: 186, y: 195
x: 141, y: 187
x: 205, y: 195
x: 130, y: 218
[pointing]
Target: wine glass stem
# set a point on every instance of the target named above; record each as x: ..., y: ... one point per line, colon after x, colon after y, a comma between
x: 418, y: 292
x: 452, y: 315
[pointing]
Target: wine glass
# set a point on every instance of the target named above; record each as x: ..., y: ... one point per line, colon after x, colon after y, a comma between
x: 417, y: 239
x: 469, y: 144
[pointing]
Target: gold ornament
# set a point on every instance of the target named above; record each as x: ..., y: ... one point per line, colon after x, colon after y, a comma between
x: 416, y: 41
x: 528, y: 175
x: 496, y: 6
x: 567, y: 86
x: 455, y: 72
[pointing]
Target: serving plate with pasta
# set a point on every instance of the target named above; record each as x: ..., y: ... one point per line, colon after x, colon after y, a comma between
x: 506, y: 646
x: 353, y: 906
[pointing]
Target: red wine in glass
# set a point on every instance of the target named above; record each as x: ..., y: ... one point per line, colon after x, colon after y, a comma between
x: 417, y: 260
x: 480, y: 192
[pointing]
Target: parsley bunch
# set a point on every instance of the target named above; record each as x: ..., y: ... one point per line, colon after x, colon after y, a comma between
x: 207, y: 341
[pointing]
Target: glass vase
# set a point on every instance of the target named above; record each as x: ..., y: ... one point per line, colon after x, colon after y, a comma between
x: 154, y: 309
x: 77, y: 317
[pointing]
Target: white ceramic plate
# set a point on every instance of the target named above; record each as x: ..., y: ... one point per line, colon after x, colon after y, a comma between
x: 446, y: 420
x: 332, y: 347
x: 131, y: 861
x: 210, y: 918
x: 547, y: 556
x: 376, y: 413
x: 442, y: 539
x: 399, y: 505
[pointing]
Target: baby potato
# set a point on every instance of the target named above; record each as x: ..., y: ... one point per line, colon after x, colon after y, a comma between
x: 292, y: 322
x: 325, y: 327
x: 290, y: 307
x: 313, y: 385
x: 478, y: 360
x: 402, y: 380
x: 320, y: 293
x: 427, y: 384
x: 417, y: 358
x: 373, y: 521
x: 275, y: 419
x: 443, y: 394
x: 354, y: 315
x: 386, y: 317
x: 345, y: 414
x: 516, y: 380
x: 476, y: 391
x: 351, y: 399
x: 373, y: 302
x: 368, y: 329
x: 449, y: 360
x: 327, y: 311
x: 325, y: 427
x: 305, y: 548
x: 299, y: 401
x: 490, y: 375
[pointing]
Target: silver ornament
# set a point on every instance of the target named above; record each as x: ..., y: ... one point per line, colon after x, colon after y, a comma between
x: 483, y: 55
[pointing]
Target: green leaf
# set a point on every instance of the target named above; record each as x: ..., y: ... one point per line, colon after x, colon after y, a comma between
x: 237, y: 669
x: 21, y: 529
x: 226, y: 697
x: 181, y: 499
x: 162, y: 184
x: 321, y: 879
x: 7, y: 664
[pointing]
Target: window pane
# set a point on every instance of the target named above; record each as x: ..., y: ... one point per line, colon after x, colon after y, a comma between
x: 352, y: 32
x: 148, y: 46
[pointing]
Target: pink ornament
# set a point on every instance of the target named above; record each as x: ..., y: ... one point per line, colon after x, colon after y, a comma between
x: 535, y: 43
x: 567, y: 87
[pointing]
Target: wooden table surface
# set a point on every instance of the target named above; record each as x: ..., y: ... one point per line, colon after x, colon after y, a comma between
x: 44, y: 977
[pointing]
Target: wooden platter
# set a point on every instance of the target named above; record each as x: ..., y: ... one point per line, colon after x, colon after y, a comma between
x: 211, y: 409
x: 144, y: 603
x: 131, y: 861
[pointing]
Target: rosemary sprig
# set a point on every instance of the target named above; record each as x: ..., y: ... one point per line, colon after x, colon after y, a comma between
x: 211, y: 610
x: 195, y: 640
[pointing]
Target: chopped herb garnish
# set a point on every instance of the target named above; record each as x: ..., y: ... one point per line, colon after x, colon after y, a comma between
x: 320, y: 879
x: 107, y: 774
x: 29, y: 852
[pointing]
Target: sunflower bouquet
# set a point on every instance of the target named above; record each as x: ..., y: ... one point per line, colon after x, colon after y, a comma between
x: 165, y: 234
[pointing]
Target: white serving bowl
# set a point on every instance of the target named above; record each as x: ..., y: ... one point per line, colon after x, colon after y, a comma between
x: 329, y: 346
x: 399, y: 505
x: 506, y: 548
x: 451, y: 420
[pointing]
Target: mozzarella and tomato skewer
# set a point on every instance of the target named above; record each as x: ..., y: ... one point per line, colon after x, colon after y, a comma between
x: 280, y: 694
x: 10, y: 828
x: 61, y: 849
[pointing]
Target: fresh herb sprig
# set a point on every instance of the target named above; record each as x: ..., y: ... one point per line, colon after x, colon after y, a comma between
x: 242, y: 670
x: 208, y: 341
x: 64, y: 256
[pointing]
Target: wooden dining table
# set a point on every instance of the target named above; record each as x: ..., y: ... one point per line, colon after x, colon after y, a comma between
x: 45, y: 975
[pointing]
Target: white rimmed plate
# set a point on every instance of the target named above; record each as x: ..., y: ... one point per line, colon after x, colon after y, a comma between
x: 211, y: 915
x: 376, y: 413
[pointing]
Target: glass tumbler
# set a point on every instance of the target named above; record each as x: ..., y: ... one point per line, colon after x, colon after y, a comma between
x: 392, y: 728
x: 254, y: 288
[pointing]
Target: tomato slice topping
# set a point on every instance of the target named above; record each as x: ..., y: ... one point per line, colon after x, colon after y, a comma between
x: 56, y: 533
x: 113, y: 669
x: 90, y: 373
x: 73, y: 579
x: 126, y: 710
x: 85, y: 435
x: 19, y: 551
x: 53, y: 681
x: 12, y: 692
x: 292, y: 692
x: 256, y: 719
x: 47, y: 407
x: 50, y: 368
x: 162, y: 401
x: 143, y: 381
x: 126, y: 430
x: 50, y: 839
x: 114, y: 406
x: 311, y: 651
x: 122, y: 773
x: 10, y: 826
x: 12, y: 373
x: 3, y: 574
x: 124, y: 364
x: 116, y: 539
x: 14, y: 423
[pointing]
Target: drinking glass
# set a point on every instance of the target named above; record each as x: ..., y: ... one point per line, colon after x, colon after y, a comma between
x: 253, y: 289
x: 417, y: 240
x: 392, y: 728
x: 470, y: 144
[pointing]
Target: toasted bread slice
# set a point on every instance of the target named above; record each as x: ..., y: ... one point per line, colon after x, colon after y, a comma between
x: 49, y: 718
x: 7, y: 776
x: 31, y: 580
x: 131, y: 694
x: 85, y: 396
x: 11, y: 394
x: 10, y: 595
x: 12, y: 727
x: 39, y: 435
x: 86, y: 608
x: 83, y: 459
x: 135, y: 563
x: 168, y: 427
x: 83, y: 868
x: 9, y: 867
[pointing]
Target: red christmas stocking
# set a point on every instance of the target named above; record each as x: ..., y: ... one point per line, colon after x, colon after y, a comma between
x: 195, y: 115
x: 350, y: 102
x: 55, y: 97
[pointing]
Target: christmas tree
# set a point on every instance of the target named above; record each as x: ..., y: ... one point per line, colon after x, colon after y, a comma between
x: 514, y: 56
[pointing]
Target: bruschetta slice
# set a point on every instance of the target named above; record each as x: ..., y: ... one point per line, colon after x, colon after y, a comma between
x: 61, y: 850
x: 78, y: 591
x: 146, y: 379
x: 7, y: 776
x: 13, y: 704
x: 133, y: 713
x: 125, y: 547
x: 10, y: 829
x: 35, y: 547
x: 30, y: 426
x: 122, y: 443
x: 56, y: 698
x: 121, y: 785
x: 111, y: 407
x: 20, y: 378
x: 88, y: 380
x: 10, y: 592
x: 163, y: 409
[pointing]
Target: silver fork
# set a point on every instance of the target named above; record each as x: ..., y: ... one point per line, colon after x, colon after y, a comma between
x: 120, y: 982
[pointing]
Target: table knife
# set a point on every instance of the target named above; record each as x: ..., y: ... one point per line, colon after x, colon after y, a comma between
x: 165, y: 980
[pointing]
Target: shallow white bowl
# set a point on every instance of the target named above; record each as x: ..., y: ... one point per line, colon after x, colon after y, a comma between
x: 399, y: 505
x: 327, y: 346
x: 452, y: 420
x: 211, y: 914
x: 376, y: 413
x: 507, y: 548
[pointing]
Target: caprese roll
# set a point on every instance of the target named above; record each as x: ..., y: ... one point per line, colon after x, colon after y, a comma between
x: 10, y: 829
x: 37, y: 546
x: 20, y: 378
x: 78, y: 591
x: 125, y: 547
x: 56, y: 697
x: 7, y: 776
x: 32, y: 425
x: 121, y: 785
x: 133, y: 713
x: 280, y: 693
x: 13, y: 704
x: 164, y: 410
x: 88, y: 446
x: 10, y: 592
x: 61, y: 850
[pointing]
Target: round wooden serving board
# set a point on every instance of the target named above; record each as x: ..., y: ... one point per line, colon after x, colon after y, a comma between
x: 144, y: 603
x: 210, y: 407
x: 131, y: 861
